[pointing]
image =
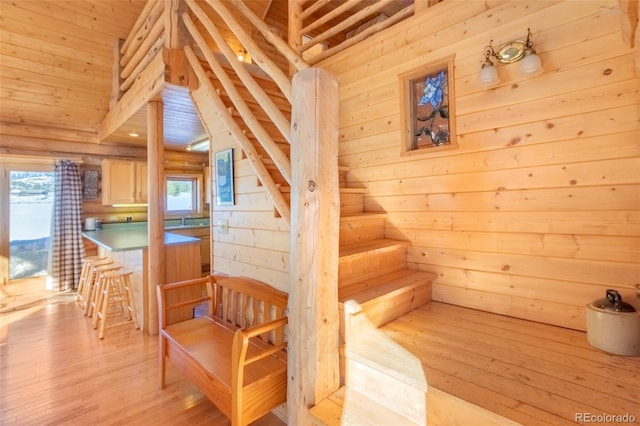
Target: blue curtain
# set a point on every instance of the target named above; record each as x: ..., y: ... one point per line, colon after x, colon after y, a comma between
x: 67, y: 250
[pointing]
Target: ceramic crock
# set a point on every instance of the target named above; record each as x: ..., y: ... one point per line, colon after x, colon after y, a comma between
x: 613, y: 325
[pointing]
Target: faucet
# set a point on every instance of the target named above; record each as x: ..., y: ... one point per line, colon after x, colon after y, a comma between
x: 184, y: 219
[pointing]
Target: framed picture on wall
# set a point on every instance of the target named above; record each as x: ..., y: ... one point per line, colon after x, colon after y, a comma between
x: 224, y: 177
x: 428, y: 113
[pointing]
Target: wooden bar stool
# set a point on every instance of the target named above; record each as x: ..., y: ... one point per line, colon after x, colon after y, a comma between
x: 89, y: 262
x: 92, y: 290
x: 116, y: 299
x: 92, y: 276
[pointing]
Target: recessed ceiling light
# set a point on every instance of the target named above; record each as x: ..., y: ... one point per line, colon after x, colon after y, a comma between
x: 134, y: 134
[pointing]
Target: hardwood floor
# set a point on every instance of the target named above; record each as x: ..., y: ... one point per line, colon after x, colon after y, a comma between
x: 55, y: 370
x: 532, y: 373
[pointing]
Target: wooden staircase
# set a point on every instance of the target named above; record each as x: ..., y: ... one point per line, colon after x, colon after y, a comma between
x: 385, y: 383
x: 373, y: 269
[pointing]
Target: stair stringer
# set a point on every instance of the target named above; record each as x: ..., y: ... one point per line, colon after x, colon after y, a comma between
x: 213, y: 112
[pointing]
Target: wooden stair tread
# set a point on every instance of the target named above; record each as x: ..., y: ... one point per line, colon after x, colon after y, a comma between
x: 351, y: 217
x: 343, y: 190
x: 364, y: 247
x: 382, y: 285
x: 351, y: 190
x: 347, y: 406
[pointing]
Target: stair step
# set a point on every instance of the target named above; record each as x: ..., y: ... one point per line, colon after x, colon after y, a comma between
x: 342, y: 190
x: 361, y: 227
x: 349, y: 407
x: 387, y: 297
x: 367, y: 259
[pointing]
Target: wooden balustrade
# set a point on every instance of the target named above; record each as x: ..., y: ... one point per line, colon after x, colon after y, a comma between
x: 280, y: 159
x: 261, y: 171
x: 313, y: 21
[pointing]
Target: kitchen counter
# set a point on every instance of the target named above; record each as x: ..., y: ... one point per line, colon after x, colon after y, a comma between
x: 126, y: 244
x: 131, y: 236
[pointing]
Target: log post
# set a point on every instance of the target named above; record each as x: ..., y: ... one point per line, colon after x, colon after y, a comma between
x: 315, y: 214
x: 295, y: 27
x: 155, y: 181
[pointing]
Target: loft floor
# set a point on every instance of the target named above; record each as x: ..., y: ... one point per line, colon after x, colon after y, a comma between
x: 528, y: 372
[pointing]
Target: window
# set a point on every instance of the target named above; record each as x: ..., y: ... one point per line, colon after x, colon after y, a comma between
x: 184, y: 194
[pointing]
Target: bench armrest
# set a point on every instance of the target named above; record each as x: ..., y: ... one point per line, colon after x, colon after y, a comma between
x: 241, y: 344
x: 166, y: 304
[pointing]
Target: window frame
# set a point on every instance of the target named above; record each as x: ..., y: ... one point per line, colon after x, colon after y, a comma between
x: 197, y: 180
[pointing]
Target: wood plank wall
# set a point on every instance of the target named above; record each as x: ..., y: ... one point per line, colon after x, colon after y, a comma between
x: 257, y: 242
x: 91, y: 156
x: 536, y: 212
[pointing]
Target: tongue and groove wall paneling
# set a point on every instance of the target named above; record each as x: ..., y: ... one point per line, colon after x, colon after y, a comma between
x: 257, y: 242
x: 536, y: 213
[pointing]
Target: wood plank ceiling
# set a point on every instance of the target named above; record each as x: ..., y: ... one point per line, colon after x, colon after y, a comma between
x: 56, y: 64
x: 56, y: 68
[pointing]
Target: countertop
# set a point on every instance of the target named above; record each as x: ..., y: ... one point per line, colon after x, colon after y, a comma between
x: 131, y: 236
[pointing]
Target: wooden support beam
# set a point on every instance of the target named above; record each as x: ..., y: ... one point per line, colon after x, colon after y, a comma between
x: 176, y: 34
x: 315, y: 214
x: 155, y: 181
x: 295, y: 30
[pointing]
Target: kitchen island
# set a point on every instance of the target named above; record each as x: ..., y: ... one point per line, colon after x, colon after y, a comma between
x: 127, y: 244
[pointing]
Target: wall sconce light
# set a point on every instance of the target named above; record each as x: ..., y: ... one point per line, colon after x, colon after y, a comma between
x: 241, y: 55
x: 513, y: 51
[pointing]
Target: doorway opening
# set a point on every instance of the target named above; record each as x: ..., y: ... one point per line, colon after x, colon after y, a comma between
x: 30, y: 210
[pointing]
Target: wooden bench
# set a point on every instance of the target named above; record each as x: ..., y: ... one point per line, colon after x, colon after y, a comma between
x: 235, y: 353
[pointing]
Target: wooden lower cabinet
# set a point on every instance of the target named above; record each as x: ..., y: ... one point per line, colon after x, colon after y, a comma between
x: 205, y: 245
x: 182, y: 262
x: 90, y: 248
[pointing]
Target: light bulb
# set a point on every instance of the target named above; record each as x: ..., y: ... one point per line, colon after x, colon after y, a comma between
x: 530, y: 64
x: 489, y: 75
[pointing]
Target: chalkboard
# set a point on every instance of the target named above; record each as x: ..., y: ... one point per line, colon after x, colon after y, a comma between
x: 90, y: 184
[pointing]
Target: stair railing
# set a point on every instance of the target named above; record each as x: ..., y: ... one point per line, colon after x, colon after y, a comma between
x: 202, y: 35
x: 359, y: 14
x: 144, y: 43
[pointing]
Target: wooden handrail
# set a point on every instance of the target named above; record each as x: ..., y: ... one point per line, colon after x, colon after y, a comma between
x: 252, y: 155
x: 402, y: 14
x: 352, y: 20
x: 265, y: 101
x: 292, y: 56
x: 144, y: 15
x: 314, y: 8
x: 276, y: 74
x: 131, y: 77
x: 274, y: 151
x: 134, y: 40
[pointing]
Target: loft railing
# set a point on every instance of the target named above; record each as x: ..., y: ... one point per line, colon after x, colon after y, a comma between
x: 314, y: 23
x: 143, y: 44
x: 164, y: 27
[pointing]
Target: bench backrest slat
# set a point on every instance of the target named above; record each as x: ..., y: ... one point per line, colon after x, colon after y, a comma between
x: 242, y: 302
